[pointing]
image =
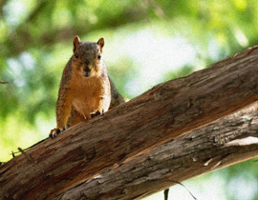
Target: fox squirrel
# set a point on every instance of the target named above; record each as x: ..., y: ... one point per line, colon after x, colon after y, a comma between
x: 86, y: 89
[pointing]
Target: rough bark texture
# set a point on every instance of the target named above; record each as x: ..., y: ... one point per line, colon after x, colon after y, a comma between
x: 167, y: 111
x: 230, y: 140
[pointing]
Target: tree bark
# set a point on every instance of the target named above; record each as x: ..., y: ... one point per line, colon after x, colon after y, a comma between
x: 164, y: 113
x: 230, y: 140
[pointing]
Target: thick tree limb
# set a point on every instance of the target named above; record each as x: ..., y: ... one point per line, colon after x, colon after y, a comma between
x: 164, y: 113
x: 230, y: 140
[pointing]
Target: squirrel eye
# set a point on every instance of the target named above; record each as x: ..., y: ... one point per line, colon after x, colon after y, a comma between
x: 76, y: 55
x: 99, y: 56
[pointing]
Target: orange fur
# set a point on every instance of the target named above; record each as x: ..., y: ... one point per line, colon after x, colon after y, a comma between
x: 85, y: 86
x: 90, y: 101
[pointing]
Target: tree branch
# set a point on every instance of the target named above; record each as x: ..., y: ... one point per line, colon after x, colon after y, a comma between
x: 207, y: 149
x: 166, y: 112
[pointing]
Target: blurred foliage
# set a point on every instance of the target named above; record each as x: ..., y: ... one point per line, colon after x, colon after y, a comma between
x: 146, y: 42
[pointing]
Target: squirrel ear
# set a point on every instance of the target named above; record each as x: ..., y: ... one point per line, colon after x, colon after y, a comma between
x: 101, y: 43
x: 76, y: 41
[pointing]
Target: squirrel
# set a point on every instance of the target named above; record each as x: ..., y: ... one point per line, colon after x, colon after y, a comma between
x: 85, y: 90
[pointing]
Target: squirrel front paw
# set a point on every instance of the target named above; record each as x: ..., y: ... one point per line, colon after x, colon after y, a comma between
x: 54, y: 132
x: 98, y: 112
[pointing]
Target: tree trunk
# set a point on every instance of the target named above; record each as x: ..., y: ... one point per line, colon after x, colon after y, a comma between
x: 164, y: 113
x: 230, y: 140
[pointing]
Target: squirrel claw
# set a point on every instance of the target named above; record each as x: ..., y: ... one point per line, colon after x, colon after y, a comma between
x: 98, y: 112
x: 54, y: 132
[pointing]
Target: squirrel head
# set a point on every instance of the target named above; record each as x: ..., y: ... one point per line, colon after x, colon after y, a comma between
x: 87, y: 58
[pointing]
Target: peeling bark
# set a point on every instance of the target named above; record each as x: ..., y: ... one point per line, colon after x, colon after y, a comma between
x: 162, y: 114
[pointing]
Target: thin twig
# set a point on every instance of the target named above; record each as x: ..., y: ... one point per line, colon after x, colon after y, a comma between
x: 31, y: 159
x: 166, y: 194
x: 185, y: 188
